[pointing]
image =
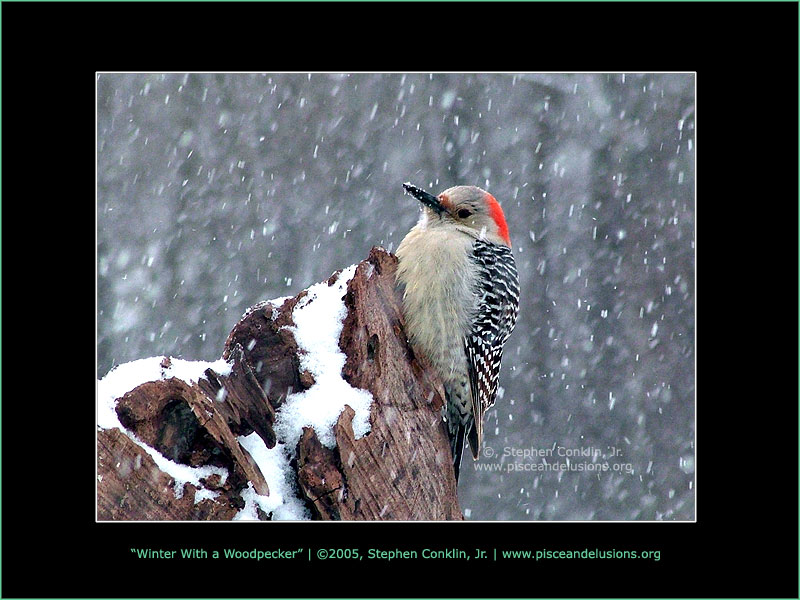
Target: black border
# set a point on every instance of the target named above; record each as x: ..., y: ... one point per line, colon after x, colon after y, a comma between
x: 745, y: 54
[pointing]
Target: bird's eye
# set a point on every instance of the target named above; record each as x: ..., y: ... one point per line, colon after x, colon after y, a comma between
x: 464, y: 213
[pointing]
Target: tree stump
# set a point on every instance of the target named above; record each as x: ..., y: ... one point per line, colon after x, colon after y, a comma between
x: 181, y: 447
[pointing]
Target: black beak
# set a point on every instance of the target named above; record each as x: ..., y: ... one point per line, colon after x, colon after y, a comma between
x: 427, y: 199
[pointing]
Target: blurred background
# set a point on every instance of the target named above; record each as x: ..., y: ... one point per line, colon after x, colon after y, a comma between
x: 216, y: 191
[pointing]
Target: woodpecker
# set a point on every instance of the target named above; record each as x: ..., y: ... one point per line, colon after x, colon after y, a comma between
x: 461, y: 301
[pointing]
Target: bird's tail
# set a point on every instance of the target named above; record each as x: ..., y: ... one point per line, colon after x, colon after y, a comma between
x: 457, y: 446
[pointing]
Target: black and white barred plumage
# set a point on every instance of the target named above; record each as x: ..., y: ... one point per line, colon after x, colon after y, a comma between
x: 497, y: 306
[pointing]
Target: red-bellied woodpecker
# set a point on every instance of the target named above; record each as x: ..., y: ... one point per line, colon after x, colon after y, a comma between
x: 461, y: 300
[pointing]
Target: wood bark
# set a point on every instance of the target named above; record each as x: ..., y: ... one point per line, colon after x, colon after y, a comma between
x: 400, y: 470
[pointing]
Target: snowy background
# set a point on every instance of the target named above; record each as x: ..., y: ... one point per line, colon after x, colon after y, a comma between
x: 218, y: 191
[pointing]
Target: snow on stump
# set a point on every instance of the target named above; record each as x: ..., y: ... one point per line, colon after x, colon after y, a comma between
x: 318, y: 409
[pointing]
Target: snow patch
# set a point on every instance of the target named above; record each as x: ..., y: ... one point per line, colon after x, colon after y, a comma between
x: 182, y: 474
x: 205, y: 494
x: 318, y: 319
x: 123, y: 378
x: 283, y: 501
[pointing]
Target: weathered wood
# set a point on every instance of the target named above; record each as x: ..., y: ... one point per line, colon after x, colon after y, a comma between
x: 240, y: 398
x: 400, y: 470
x: 264, y: 336
x: 130, y: 486
x: 187, y: 424
x: 319, y: 477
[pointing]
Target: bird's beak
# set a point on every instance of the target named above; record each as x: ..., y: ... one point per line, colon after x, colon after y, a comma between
x: 427, y: 199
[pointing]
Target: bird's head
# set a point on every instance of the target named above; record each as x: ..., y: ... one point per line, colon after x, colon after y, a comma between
x: 469, y: 208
